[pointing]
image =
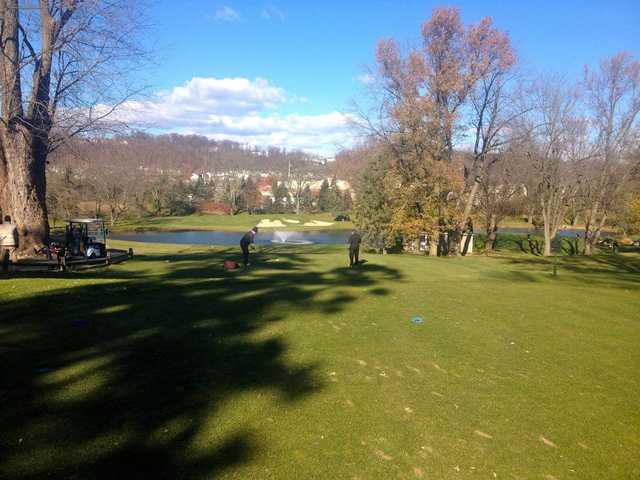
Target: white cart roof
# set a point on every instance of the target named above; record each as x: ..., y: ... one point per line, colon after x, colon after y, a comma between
x: 85, y: 220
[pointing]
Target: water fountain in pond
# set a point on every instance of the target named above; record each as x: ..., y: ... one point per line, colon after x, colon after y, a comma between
x: 286, y: 238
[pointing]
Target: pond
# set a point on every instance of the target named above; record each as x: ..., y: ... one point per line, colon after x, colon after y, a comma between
x: 267, y: 237
x: 566, y: 233
x: 264, y: 237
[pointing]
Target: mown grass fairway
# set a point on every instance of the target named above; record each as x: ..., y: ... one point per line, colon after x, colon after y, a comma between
x: 169, y: 367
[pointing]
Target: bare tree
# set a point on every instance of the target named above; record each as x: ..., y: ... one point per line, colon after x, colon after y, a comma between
x: 499, y: 188
x: 492, y: 108
x: 64, y: 193
x: 62, y: 65
x: 556, y: 148
x: 613, y: 101
x: 233, y: 192
x: 298, y: 179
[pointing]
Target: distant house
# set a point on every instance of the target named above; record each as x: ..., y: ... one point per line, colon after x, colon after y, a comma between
x: 265, y: 188
x: 343, y: 185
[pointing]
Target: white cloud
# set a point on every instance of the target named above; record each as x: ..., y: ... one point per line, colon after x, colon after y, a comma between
x: 226, y: 14
x: 225, y: 95
x: 238, y: 109
x: 271, y: 12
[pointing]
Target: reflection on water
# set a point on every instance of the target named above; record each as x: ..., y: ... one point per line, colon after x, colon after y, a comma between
x: 233, y: 238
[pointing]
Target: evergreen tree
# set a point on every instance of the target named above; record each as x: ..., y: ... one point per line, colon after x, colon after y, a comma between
x: 306, y: 199
x: 280, y: 197
x: 347, y: 201
x: 324, y: 199
x: 373, y: 212
x: 335, y: 198
x: 249, y: 195
x: 201, y: 190
x: 232, y: 194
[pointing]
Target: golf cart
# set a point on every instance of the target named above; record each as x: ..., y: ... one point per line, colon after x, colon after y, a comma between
x: 609, y: 244
x: 86, y: 237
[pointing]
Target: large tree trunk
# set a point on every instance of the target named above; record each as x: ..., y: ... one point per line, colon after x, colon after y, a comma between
x: 456, y: 237
x: 548, y: 234
x: 588, y: 245
x: 4, y: 201
x: 433, y: 244
x: 25, y: 188
x: 24, y: 140
x: 588, y: 248
x: 530, y: 213
x: 592, y: 234
x: 454, y: 240
x: 492, y: 233
x: 547, y: 243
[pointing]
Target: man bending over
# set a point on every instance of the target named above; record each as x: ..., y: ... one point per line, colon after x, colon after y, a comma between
x: 247, y: 240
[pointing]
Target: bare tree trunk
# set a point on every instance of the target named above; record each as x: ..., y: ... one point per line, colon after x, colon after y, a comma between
x: 4, y: 202
x: 24, y: 144
x: 456, y: 238
x: 588, y: 245
x: 593, y: 226
x: 547, y: 241
x: 492, y: 233
x: 549, y: 231
x: 592, y: 235
x: 433, y: 244
x: 470, y: 199
x: 25, y: 189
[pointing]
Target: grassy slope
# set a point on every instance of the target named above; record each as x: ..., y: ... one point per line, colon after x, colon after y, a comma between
x: 301, y: 368
x: 240, y: 222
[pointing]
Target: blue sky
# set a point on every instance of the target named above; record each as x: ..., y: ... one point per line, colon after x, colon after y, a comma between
x: 292, y: 67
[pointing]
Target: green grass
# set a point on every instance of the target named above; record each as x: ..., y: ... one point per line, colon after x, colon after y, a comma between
x: 236, y: 223
x: 169, y: 367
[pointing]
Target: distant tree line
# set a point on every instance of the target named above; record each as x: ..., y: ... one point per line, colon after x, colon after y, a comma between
x: 141, y: 174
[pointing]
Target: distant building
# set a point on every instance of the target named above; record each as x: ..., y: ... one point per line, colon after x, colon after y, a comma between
x: 342, y: 185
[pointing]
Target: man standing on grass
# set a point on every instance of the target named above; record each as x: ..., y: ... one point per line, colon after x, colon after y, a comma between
x: 8, y: 240
x: 354, y: 248
x: 247, y: 240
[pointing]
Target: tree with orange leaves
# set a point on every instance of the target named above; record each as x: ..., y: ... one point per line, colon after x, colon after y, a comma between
x: 419, y: 100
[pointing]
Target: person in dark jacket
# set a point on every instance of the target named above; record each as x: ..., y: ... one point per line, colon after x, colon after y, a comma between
x: 247, y: 240
x: 354, y: 248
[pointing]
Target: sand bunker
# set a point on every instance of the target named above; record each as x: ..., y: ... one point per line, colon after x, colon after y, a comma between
x: 266, y: 223
x: 318, y: 223
x: 288, y: 220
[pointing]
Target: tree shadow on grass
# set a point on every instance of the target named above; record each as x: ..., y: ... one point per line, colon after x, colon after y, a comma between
x: 125, y: 378
x: 610, y: 270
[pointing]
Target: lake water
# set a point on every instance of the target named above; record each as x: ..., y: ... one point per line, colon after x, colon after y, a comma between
x: 267, y: 237
x: 568, y: 233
